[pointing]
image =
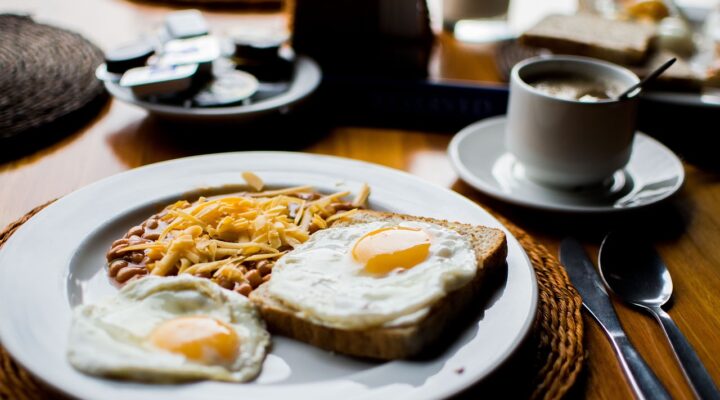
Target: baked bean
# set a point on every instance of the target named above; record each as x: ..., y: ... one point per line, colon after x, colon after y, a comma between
x: 136, y: 257
x: 253, y: 278
x: 129, y: 272
x: 114, y: 253
x: 116, y: 266
x: 264, y: 267
x: 152, y: 236
x: 119, y: 242
x: 136, y: 231
x: 243, y: 288
x: 266, y: 278
x: 137, y: 240
x: 151, y: 223
x: 225, y: 283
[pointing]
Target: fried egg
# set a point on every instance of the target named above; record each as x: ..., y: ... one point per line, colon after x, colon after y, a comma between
x: 372, y: 274
x: 169, y: 329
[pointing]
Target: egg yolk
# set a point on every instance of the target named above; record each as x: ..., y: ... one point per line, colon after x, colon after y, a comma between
x: 384, y: 250
x: 201, y: 339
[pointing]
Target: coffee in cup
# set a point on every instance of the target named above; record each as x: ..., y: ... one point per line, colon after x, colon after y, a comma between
x: 572, y: 86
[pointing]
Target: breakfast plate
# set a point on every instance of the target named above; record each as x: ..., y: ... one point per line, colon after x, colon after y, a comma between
x: 36, y: 301
x: 306, y: 78
x: 478, y: 154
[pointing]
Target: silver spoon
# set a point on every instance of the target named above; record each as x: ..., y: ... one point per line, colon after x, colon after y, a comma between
x: 634, y: 271
x: 649, y: 78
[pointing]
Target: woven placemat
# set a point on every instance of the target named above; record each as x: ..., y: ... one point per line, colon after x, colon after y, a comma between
x: 48, y: 75
x: 558, y: 329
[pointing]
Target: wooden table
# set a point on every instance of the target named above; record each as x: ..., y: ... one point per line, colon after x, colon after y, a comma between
x: 686, y: 229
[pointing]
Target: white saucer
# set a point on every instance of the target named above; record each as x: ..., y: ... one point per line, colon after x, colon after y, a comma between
x: 478, y: 155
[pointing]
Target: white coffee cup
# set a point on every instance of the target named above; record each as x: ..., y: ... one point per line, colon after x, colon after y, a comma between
x: 569, y: 143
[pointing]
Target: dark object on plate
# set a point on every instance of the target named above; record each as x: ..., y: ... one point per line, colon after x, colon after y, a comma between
x: 48, y: 86
x: 275, y: 70
x: 228, y: 87
x: 129, y: 56
x: 258, y: 48
x: 186, y: 24
x: 261, y: 53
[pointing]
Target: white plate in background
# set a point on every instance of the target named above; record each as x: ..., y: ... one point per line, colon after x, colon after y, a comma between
x: 306, y: 78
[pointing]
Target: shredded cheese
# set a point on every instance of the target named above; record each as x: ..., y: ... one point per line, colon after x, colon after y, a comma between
x: 253, y: 180
x: 221, y: 237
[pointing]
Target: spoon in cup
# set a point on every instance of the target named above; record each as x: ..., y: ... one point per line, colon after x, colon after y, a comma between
x: 634, y: 271
x: 630, y: 92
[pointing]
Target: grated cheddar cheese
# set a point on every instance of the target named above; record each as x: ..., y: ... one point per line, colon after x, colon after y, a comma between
x: 227, y: 238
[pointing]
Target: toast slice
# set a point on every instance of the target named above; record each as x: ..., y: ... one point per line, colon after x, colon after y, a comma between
x: 397, y: 341
x: 623, y: 42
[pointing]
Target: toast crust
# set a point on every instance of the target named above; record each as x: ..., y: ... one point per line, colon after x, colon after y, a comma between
x: 388, y: 343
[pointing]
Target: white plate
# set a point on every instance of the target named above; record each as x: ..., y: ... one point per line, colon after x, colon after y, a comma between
x: 478, y: 155
x: 56, y: 260
x: 306, y: 78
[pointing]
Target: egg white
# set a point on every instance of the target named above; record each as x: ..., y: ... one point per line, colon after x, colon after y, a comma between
x: 322, y: 282
x: 109, y: 338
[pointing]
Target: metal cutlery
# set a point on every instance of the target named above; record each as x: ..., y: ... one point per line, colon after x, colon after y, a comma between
x: 634, y: 271
x: 596, y: 301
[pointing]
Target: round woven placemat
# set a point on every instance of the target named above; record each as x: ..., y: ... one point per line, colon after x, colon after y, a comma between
x: 558, y: 328
x: 48, y: 74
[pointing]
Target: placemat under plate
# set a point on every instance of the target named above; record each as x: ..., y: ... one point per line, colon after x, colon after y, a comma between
x: 557, y: 333
x: 48, y: 83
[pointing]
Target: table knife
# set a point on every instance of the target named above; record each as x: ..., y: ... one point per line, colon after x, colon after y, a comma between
x: 596, y: 301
